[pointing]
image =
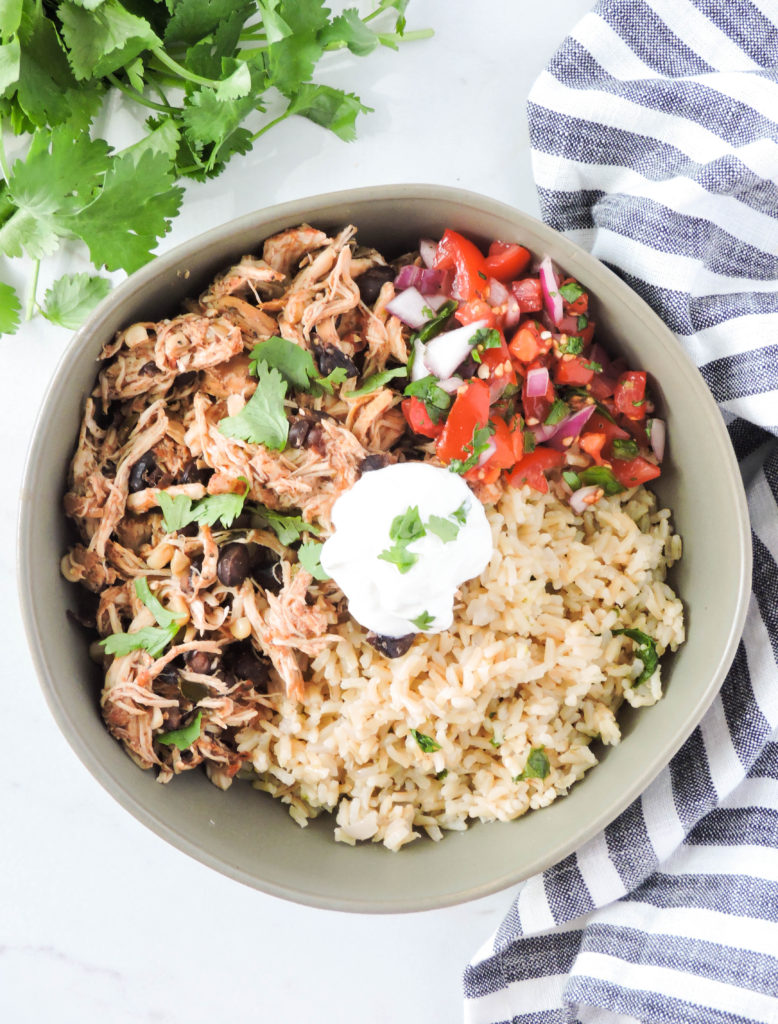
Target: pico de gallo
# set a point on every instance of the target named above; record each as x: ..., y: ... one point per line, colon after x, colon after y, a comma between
x: 507, y: 379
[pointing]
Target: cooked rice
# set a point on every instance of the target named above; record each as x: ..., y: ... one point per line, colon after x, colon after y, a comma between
x: 531, y: 661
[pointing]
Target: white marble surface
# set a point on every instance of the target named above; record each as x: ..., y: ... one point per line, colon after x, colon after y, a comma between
x: 101, y: 920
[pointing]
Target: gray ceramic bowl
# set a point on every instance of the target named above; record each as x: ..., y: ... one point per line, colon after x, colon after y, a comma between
x: 251, y: 837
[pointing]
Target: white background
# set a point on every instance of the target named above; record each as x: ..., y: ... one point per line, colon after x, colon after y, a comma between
x: 100, y: 920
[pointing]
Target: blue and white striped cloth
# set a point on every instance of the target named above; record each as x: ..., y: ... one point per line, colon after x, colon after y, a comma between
x: 655, y: 145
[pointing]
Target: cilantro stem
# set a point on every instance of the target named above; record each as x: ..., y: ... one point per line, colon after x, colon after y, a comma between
x: 3, y: 159
x: 137, y: 97
x: 29, y: 310
x: 179, y: 70
x: 269, y: 125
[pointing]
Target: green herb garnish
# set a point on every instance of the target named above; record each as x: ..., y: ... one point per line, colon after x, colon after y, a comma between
x: 571, y: 479
x: 182, y: 738
x: 583, y: 322
x: 440, y: 776
x: 460, y: 514
x: 427, y: 744
x: 407, y: 526
x: 571, y: 291
x: 309, y: 557
x: 262, y: 420
x: 377, y: 380
x: 296, y: 366
x: 179, y: 511
x: 594, y: 367
x: 537, y: 766
x: 572, y: 345
x: 153, y: 639
x: 434, y: 327
x: 435, y: 399
x: 529, y: 442
x: 624, y: 448
x: 601, y: 476
x: 399, y: 555
x: 423, y: 621
x: 646, y: 651
x: 483, y: 339
x: 287, y: 528
x: 557, y: 412
x: 443, y: 528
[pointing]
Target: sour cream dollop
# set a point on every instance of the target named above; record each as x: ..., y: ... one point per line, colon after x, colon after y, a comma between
x: 380, y: 596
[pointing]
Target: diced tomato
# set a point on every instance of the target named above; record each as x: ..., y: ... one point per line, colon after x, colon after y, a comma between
x: 415, y: 412
x: 630, y: 394
x: 502, y: 457
x: 573, y: 370
x: 533, y: 467
x: 601, y: 387
x: 537, y: 408
x: 515, y: 427
x: 526, y: 343
x: 469, y: 411
x: 459, y: 253
x: 529, y: 294
x: 569, y: 325
x: 577, y: 306
x: 501, y: 368
x: 478, y: 309
x: 631, y: 472
x: 506, y: 261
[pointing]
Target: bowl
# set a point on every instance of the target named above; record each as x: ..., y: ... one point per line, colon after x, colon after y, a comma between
x: 247, y: 835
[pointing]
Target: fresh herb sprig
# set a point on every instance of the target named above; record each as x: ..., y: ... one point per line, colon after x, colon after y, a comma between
x: 153, y: 639
x: 201, y: 70
x: 645, y: 650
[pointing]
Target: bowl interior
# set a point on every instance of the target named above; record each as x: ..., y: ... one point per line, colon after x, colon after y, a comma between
x: 250, y: 836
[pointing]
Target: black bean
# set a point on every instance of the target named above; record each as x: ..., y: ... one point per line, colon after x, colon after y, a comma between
x: 190, y: 530
x: 372, y: 281
x: 183, y: 380
x: 233, y: 565
x: 246, y: 664
x: 142, y: 473
x: 373, y: 462
x: 173, y: 717
x: 201, y: 662
x: 391, y: 646
x: 298, y: 432
x: 194, y: 474
x: 266, y: 569
x: 148, y: 369
x: 315, y: 439
x: 329, y: 358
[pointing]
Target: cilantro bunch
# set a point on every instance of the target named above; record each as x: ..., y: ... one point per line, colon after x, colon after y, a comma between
x: 211, y: 77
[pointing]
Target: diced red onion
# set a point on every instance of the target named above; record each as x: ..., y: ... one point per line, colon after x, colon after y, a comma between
x: 550, y: 285
x: 409, y: 306
x: 658, y: 437
x: 445, y: 352
x: 498, y: 293
x: 537, y: 382
x: 419, y: 369
x: 597, y: 354
x: 487, y: 453
x: 427, y: 248
x: 497, y: 386
x: 436, y: 301
x: 428, y: 282
x: 570, y: 426
x: 579, y: 499
x: 451, y: 384
x: 513, y: 313
x: 543, y: 433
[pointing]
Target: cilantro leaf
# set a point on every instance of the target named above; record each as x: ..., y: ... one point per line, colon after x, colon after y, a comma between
x: 443, y: 528
x: 571, y: 291
x: 529, y: 442
x: 72, y: 298
x: 476, y: 447
x: 537, y: 766
x: 603, y: 477
x: 483, y: 339
x: 624, y: 448
x: 348, y: 29
x: 427, y: 744
x: 440, y: 776
x: 178, y: 510
x: 330, y: 108
x: 423, y: 621
x: 572, y: 345
x: 296, y: 366
x: 435, y: 399
x: 557, y: 412
x: 10, y: 308
x: 646, y: 651
x: 288, y: 529
x: 407, y: 526
x: 153, y: 639
x: 182, y: 738
x: 103, y: 40
x: 377, y: 380
x: 433, y: 327
x: 262, y: 420
x: 309, y: 556
x: 400, y: 556
x: 583, y: 321
x: 460, y: 514
x: 164, y: 618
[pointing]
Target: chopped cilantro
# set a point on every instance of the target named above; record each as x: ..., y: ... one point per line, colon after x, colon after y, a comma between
x: 434, y: 327
x: 423, y: 621
x: 537, y: 766
x: 309, y: 556
x: 594, y: 367
x: 646, y: 651
x: 557, y: 412
x: 179, y: 511
x: 399, y: 555
x: 495, y: 741
x: 460, y: 514
x: 482, y: 275
x: 583, y: 322
x: 407, y: 526
x: 262, y: 420
x: 377, y: 380
x: 295, y: 364
x: 435, y: 399
x: 427, y: 744
x: 601, y: 476
x: 572, y: 345
x: 624, y: 448
x: 443, y: 528
x: 440, y: 776
x: 475, y: 448
x: 571, y: 291
x: 483, y: 339
x: 72, y: 298
x: 287, y: 528
x: 571, y: 479
x: 153, y: 639
x: 182, y: 738
x: 529, y: 442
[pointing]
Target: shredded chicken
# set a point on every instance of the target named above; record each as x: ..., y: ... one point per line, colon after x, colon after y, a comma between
x: 240, y: 616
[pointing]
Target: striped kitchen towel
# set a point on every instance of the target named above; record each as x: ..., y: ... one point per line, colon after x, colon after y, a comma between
x: 655, y: 146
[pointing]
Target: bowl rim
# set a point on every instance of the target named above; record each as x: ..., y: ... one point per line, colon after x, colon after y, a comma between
x: 295, y: 211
